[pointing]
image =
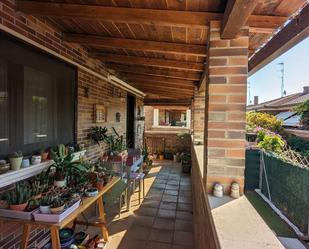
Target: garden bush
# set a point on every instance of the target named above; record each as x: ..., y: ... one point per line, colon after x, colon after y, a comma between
x: 264, y: 120
x: 303, y: 110
x: 299, y: 144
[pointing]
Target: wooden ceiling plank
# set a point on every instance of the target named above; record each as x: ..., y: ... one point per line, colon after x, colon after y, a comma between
x: 156, y: 71
x: 155, y: 84
x: 136, y: 60
x: 294, y: 32
x: 129, y: 15
x: 141, y: 77
x: 236, y: 14
x: 141, y: 45
x: 187, y: 19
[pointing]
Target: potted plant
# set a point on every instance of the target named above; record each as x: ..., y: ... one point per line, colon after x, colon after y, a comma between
x: 44, y: 155
x: 45, y: 203
x: 19, y: 197
x: 62, y: 161
x: 4, y: 167
x: 161, y: 155
x: 98, y: 134
x: 186, y: 162
x: 36, y: 159
x: 57, y: 206
x: 117, y: 145
x: 16, y: 160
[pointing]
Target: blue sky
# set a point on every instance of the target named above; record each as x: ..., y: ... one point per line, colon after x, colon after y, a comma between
x: 266, y: 83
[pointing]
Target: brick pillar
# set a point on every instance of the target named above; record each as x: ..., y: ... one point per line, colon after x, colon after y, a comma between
x: 227, y: 66
x: 198, y: 115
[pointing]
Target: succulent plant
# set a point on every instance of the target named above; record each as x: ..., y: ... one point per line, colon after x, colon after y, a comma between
x: 20, y: 195
x: 16, y: 154
x: 46, y: 200
x: 56, y: 202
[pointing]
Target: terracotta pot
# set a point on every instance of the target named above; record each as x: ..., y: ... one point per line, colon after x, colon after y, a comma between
x: 161, y: 157
x: 44, y: 156
x: 99, y: 185
x: 57, y: 210
x: 19, y: 207
x: 4, y: 204
x: 107, y: 179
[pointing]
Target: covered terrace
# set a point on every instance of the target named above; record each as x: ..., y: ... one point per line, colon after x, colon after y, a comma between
x: 118, y: 56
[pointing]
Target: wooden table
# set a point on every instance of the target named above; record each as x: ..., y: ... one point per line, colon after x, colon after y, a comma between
x: 72, y: 218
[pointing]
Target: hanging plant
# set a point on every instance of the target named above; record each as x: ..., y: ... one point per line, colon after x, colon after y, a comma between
x: 98, y: 134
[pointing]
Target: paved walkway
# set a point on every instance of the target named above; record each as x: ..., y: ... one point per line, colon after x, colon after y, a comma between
x: 164, y: 219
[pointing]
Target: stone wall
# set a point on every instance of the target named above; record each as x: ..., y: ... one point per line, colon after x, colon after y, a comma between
x: 91, y: 74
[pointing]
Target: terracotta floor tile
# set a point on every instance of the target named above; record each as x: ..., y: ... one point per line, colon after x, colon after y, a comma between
x: 158, y: 245
x: 133, y: 244
x: 168, y: 205
x: 187, y: 193
x: 163, y: 223
x: 164, y: 213
x: 184, y: 215
x: 151, y: 203
x: 146, y: 221
x: 171, y: 192
x: 184, y: 207
x: 147, y: 211
x: 184, y: 199
x: 182, y: 247
x: 169, y: 198
x: 138, y: 232
x: 183, y: 238
x: 172, y: 187
x: 159, y: 235
x: 183, y: 226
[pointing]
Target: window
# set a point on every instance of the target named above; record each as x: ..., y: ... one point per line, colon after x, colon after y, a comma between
x: 172, y: 118
x: 37, y: 99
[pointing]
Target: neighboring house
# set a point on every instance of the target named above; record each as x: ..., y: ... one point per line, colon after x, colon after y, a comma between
x: 283, y: 108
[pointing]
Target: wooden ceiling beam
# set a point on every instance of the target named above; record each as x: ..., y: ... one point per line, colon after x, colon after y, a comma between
x: 189, y: 19
x: 136, y: 60
x: 291, y: 34
x: 167, y: 102
x: 154, y: 83
x: 141, y: 45
x: 165, y: 93
x: 236, y: 14
x: 155, y: 71
x: 141, y: 77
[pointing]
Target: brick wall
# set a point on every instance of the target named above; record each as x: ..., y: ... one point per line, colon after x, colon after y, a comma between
x: 198, y: 115
x: 226, y: 106
x: 168, y: 142
x: 148, y: 117
x: 100, y: 92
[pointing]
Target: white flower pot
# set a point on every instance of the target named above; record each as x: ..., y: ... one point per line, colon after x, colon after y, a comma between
x: 45, y: 209
x: 36, y: 160
x: 60, y: 183
x: 16, y: 162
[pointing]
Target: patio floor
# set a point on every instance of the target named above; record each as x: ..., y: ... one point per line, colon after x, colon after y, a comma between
x: 164, y: 218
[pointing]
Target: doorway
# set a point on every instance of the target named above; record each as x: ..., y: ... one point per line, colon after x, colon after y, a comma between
x: 130, y: 120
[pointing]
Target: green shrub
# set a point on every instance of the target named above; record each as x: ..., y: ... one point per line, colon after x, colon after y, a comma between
x: 303, y: 110
x: 299, y: 144
x: 264, y: 120
x: 272, y: 142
